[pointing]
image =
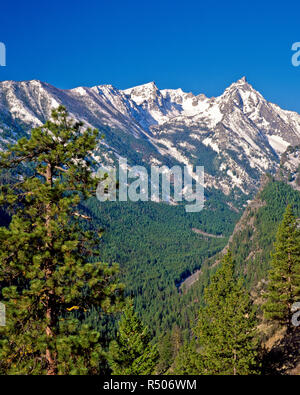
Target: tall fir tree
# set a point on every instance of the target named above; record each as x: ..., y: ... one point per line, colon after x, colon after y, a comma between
x: 166, y: 353
x: 188, y: 361
x: 226, y: 325
x: 47, y: 263
x: 284, y: 276
x: 132, y: 351
x: 169, y: 345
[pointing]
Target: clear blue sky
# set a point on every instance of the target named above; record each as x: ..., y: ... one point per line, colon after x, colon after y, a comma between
x: 196, y: 45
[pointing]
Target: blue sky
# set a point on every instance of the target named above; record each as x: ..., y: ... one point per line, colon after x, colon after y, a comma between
x: 199, y: 46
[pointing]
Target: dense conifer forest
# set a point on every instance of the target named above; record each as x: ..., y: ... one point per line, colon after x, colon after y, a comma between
x: 98, y: 288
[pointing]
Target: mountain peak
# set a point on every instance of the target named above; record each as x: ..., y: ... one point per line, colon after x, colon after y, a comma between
x: 239, y: 87
x: 242, y: 80
x: 151, y: 84
x: 148, y: 87
x: 142, y: 93
x: 243, y: 131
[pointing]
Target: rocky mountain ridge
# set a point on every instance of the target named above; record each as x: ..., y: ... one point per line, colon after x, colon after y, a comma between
x: 237, y: 136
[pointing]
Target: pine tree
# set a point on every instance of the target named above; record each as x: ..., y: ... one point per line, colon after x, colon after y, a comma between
x: 132, y: 351
x: 176, y: 338
x: 188, y: 361
x: 166, y: 353
x: 226, y: 325
x: 47, y: 263
x: 168, y: 346
x: 284, y: 275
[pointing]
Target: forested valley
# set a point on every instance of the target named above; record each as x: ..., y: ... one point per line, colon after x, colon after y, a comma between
x: 98, y: 288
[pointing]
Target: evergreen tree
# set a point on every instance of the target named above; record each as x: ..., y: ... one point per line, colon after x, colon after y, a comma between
x: 226, y: 325
x: 284, y: 276
x: 132, y: 351
x: 188, y: 361
x: 166, y: 353
x: 47, y: 263
x: 168, y: 346
x: 176, y: 338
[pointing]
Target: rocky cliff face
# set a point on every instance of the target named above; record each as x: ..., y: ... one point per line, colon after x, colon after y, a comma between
x: 237, y: 136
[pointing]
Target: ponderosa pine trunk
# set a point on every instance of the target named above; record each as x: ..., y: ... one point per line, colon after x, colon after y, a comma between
x: 50, y: 314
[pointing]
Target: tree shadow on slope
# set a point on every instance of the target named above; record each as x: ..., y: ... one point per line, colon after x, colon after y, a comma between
x: 284, y: 356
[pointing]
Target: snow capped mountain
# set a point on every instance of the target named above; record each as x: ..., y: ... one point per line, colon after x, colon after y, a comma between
x: 237, y: 136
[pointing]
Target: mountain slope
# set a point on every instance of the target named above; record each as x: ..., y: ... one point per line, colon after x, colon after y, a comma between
x: 254, y: 234
x: 237, y: 136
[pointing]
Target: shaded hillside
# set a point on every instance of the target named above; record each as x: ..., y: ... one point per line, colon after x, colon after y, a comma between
x: 283, y: 356
x: 255, y: 233
x: 251, y: 241
x: 251, y: 244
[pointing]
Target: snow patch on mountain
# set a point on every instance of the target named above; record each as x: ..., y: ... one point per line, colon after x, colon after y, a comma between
x: 238, y: 135
x: 277, y: 143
